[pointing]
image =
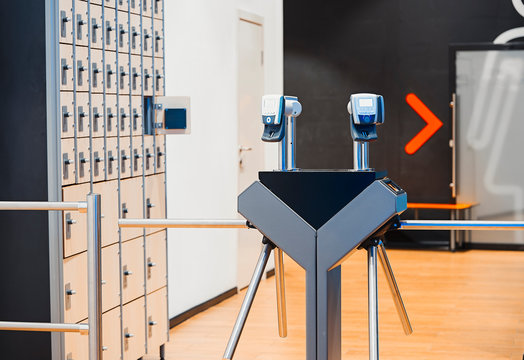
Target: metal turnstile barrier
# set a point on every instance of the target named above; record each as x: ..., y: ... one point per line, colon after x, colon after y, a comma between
x: 94, y: 246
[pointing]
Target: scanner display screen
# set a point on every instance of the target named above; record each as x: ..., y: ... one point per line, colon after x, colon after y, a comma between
x: 365, y: 102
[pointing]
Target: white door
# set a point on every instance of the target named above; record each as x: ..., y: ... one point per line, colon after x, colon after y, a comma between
x: 250, y: 147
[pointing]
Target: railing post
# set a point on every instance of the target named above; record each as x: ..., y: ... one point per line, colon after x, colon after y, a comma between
x: 94, y: 269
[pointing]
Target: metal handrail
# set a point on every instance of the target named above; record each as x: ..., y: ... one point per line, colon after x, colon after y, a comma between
x: 44, y: 205
x: 93, y: 329
x: 460, y: 225
x: 47, y: 327
x: 183, y: 223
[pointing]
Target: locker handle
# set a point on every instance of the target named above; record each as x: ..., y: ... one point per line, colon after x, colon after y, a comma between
x: 138, y: 156
x: 82, y: 114
x: 111, y: 158
x: 103, y: 282
x: 147, y: 36
x: 125, y: 157
x: 110, y: 28
x: 111, y: 115
x: 136, y: 33
x: 97, y: 70
x: 128, y: 335
x: 123, y: 31
x: 161, y: 153
x: 128, y: 273
x: 82, y: 22
x: 147, y: 76
x: 159, y: 76
x: 67, y: 67
x: 82, y: 68
x: 124, y: 115
x: 99, y: 159
x: 97, y: 115
x: 104, y: 348
x: 149, y: 155
x: 96, y: 26
x: 151, y: 264
x: 151, y: 205
x: 137, y: 115
x: 152, y: 323
x: 71, y: 221
x: 66, y: 19
x: 110, y: 72
x: 124, y: 73
x: 84, y: 160
x: 158, y: 37
x: 69, y: 161
x: 70, y: 292
x: 67, y: 114
x: 137, y: 74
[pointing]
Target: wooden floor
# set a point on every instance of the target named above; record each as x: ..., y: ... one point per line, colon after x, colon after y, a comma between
x: 467, y: 305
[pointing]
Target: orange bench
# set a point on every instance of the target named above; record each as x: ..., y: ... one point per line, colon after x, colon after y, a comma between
x: 454, y: 209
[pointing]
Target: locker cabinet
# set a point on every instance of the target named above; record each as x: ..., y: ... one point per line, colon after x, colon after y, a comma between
x: 91, y: 64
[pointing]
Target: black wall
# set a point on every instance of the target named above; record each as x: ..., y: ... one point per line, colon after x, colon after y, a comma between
x: 24, y: 244
x: 390, y: 47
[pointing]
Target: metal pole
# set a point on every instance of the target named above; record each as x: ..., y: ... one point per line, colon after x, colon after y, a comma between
x: 395, y: 292
x: 372, y: 303
x: 360, y: 155
x: 460, y: 225
x: 183, y: 223
x: 281, y: 292
x: 248, y: 301
x: 94, y: 269
x: 46, y: 327
x: 43, y: 205
x: 290, y: 144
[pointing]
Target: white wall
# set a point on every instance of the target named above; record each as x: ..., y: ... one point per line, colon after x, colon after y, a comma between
x: 201, y: 56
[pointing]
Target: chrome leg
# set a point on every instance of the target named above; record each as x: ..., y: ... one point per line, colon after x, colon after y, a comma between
x: 372, y: 303
x: 453, y: 233
x: 395, y: 292
x: 248, y: 301
x: 281, y: 292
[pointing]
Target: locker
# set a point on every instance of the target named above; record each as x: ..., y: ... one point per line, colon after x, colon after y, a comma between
x: 112, y: 158
x: 123, y: 5
x: 66, y: 67
x: 74, y: 222
x: 110, y: 278
x: 75, y: 288
x: 160, y: 154
x: 111, y: 80
x: 111, y: 116
x: 97, y: 68
x: 81, y: 22
x: 68, y: 161
x: 148, y: 75
x: 131, y: 205
x: 76, y: 346
x: 159, y: 76
x: 147, y: 10
x: 67, y: 121
x: 132, y: 269
x: 134, y: 6
x: 137, y: 156
x: 66, y: 21
x: 98, y: 159
x: 125, y: 157
x: 108, y: 190
x: 96, y: 27
x: 155, y: 198
x: 149, y: 155
x: 111, y: 334
x: 110, y: 27
x: 159, y: 38
x: 82, y: 67
x: 137, y: 125
x: 83, y: 160
x: 156, y: 268
x: 136, y: 36
x: 82, y: 114
x: 134, y: 329
x: 125, y: 116
x: 156, y: 320
x: 147, y: 35
x: 158, y: 9
x: 123, y: 73
x: 97, y: 120
x: 123, y: 31
x: 136, y: 75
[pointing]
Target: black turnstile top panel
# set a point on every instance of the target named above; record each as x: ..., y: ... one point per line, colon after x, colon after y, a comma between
x: 317, y: 195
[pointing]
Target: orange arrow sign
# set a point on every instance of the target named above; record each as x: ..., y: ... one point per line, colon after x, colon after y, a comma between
x: 433, y: 124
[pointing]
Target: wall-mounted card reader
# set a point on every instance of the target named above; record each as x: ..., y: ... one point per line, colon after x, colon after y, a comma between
x: 168, y: 115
